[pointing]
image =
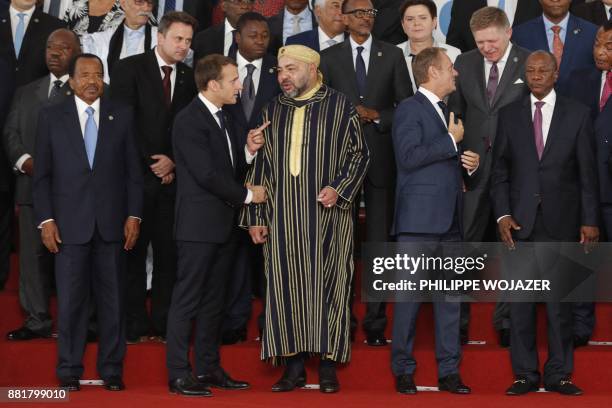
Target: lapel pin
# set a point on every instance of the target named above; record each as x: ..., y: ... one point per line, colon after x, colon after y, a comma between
x: 379, y: 54
x: 110, y: 117
x: 271, y: 70
x: 4, y: 20
x: 515, y: 59
x: 36, y: 20
x: 576, y: 31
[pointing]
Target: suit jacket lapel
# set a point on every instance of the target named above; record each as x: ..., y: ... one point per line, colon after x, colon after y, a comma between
x: 267, y: 83
x: 569, y: 48
x: 154, y: 76
x: 556, y: 126
x: 73, y: 130
x: 376, y: 58
x: 481, y: 82
x: 42, y: 92
x: 345, y: 63
x: 511, y: 70
x: 114, y: 47
x: 214, y: 126
x: 179, y: 86
x: 32, y: 29
x: 105, y: 129
x: 527, y: 123
x: 6, y: 34
x: 540, y: 35
x: 431, y: 110
x: 600, y: 12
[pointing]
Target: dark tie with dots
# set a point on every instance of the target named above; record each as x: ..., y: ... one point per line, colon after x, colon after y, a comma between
x: 56, y: 90
x: 360, y: 72
x: 167, y: 85
x: 444, y: 108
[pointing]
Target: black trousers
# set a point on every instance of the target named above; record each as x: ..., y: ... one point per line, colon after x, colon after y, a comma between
x: 204, y: 270
x: 523, y: 350
x: 6, y: 220
x: 100, y: 266
x: 35, y: 274
x: 379, y: 203
x: 156, y: 229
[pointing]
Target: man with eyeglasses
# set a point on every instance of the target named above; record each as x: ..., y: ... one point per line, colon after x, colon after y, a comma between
x: 201, y: 10
x: 330, y: 30
x: 373, y: 74
x: 220, y: 38
x: 135, y: 36
x: 296, y: 17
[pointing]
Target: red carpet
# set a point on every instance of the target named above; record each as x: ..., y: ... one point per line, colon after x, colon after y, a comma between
x: 366, y: 382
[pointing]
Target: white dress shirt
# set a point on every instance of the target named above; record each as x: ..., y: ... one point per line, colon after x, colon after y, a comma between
x: 509, y: 8
x: 242, y: 70
x: 228, y: 37
x: 501, y: 65
x: 82, y: 111
x: 305, y: 22
x: 451, y: 51
x: 323, y: 39
x: 15, y: 19
x: 161, y: 63
x: 133, y: 43
x: 547, y: 111
x: 550, y: 35
x: 213, y: 109
x: 434, y: 99
x: 365, y: 54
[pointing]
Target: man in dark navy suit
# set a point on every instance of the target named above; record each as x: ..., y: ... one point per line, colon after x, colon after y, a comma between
x: 330, y: 30
x: 544, y: 189
x: 210, y: 162
x: 257, y: 72
x: 568, y: 37
x: 88, y: 203
x: 593, y: 87
x: 428, y: 207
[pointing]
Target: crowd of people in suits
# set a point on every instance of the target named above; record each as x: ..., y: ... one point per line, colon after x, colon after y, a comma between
x: 95, y: 181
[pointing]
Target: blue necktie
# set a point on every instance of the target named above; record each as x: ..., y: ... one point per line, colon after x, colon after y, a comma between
x: 91, y: 136
x: 169, y: 5
x: 19, y: 33
x: 501, y: 4
x: 360, y: 72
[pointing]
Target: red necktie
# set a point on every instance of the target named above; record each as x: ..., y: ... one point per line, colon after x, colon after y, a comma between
x: 557, y: 45
x: 607, y: 91
x: 167, y: 85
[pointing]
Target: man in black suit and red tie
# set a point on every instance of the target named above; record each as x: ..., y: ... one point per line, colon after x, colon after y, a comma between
x: 88, y: 204
x: 210, y: 164
x: 157, y: 85
x: 544, y: 189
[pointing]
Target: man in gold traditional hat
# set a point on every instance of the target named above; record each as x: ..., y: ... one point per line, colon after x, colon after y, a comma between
x: 312, y: 165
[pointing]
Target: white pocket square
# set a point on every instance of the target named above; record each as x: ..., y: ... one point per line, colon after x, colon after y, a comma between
x: 518, y: 81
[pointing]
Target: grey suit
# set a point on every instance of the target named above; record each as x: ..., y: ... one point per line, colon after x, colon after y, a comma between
x: 35, y: 262
x: 480, y: 122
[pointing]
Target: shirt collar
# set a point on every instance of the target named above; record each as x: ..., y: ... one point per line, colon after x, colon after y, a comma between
x: 323, y: 38
x: 242, y: 62
x: 13, y: 12
x: 432, y: 97
x: 161, y: 62
x: 304, y: 14
x: 228, y: 27
x: 563, y: 23
x: 63, y: 78
x: 209, y: 105
x: 549, y: 99
x: 139, y: 30
x: 82, y: 105
x: 367, y: 45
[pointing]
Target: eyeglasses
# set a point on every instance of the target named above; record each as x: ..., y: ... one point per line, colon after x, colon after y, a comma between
x: 363, y: 13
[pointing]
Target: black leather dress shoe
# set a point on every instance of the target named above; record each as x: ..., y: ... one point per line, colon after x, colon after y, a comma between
x: 289, y: 381
x: 404, y: 384
x: 564, y: 387
x: 521, y: 386
x: 376, y: 339
x: 70, y: 384
x: 220, y: 379
x: 452, y: 383
x: 189, y: 386
x: 23, y: 333
x: 580, y: 341
x: 114, y: 384
x: 233, y: 336
x: 328, y: 380
x: 92, y: 336
x: 504, y: 338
